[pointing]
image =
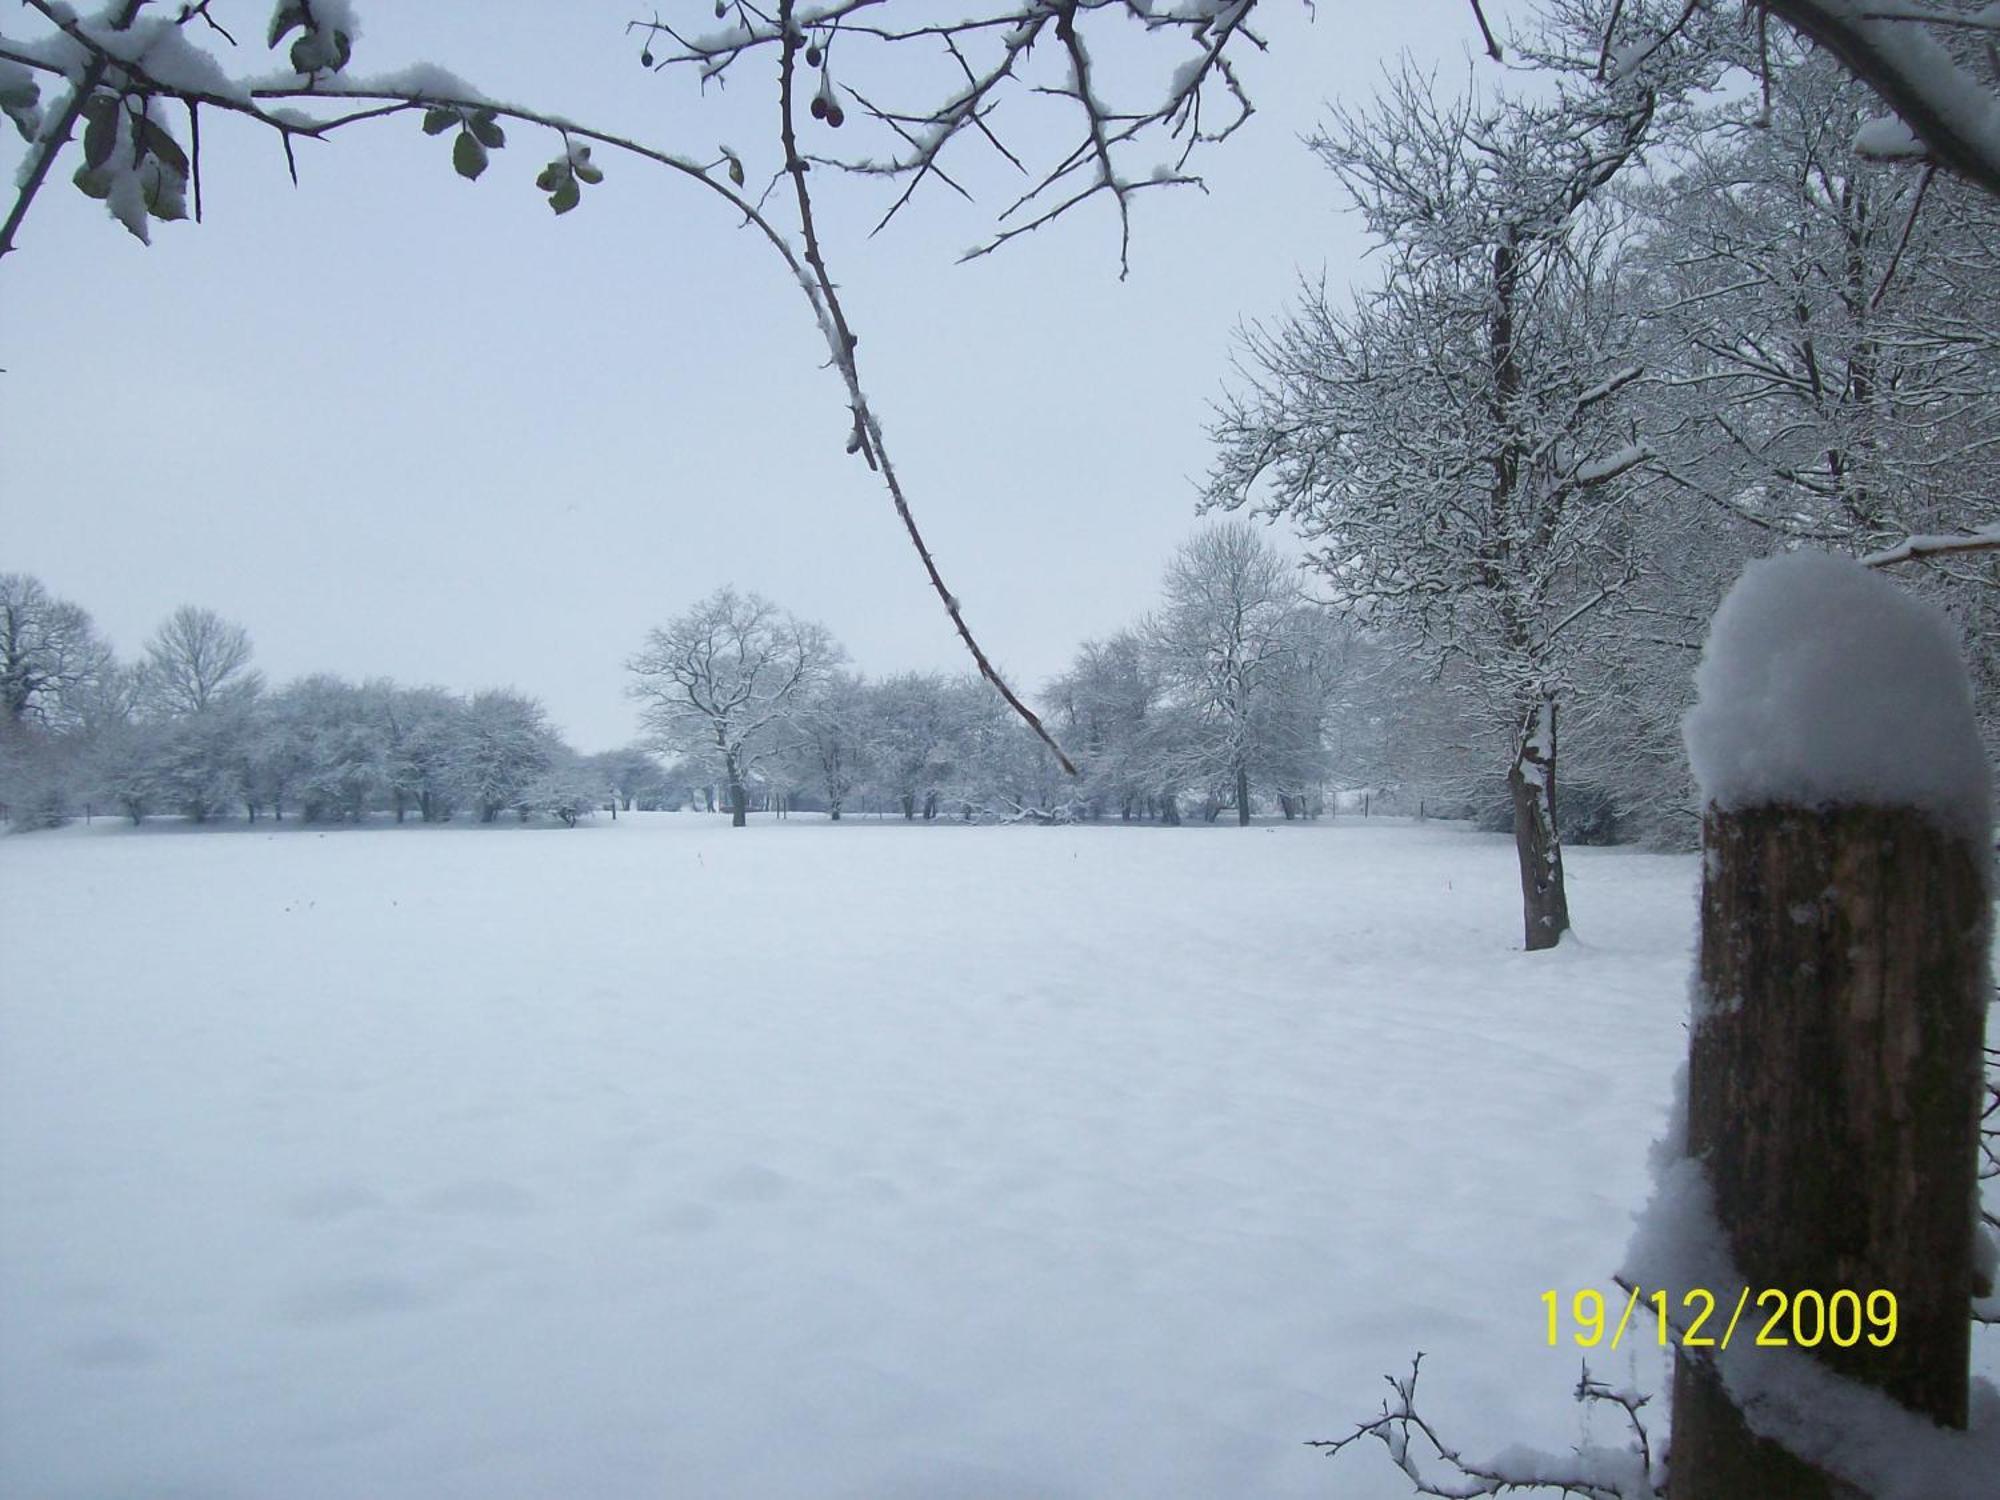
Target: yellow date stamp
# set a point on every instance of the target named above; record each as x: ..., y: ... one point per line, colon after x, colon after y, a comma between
x: 1701, y: 1319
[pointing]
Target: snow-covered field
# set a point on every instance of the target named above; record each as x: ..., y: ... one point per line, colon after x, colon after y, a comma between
x: 653, y: 1159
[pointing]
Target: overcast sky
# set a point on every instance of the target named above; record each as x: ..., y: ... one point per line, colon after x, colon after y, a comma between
x: 401, y: 424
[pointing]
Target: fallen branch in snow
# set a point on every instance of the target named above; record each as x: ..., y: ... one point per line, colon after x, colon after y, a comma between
x: 1592, y: 1472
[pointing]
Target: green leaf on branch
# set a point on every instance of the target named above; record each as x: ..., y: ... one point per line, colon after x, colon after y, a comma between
x: 487, y: 128
x: 100, y: 132
x: 551, y: 177
x: 437, y: 120
x: 468, y: 156
x: 93, y: 182
x: 566, y: 196
x: 21, y: 102
x: 318, y: 51
x: 588, y: 173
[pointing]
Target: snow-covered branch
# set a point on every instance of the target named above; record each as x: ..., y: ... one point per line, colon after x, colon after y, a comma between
x: 1917, y: 548
x: 1435, y: 1467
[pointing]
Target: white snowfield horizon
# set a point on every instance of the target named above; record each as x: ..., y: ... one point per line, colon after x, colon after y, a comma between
x: 661, y: 1159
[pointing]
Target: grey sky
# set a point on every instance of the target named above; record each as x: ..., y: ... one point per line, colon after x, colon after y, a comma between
x: 401, y: 424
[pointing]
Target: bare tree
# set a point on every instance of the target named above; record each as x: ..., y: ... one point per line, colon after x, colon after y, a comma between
x: 721, y: 681
x: 195, y: 659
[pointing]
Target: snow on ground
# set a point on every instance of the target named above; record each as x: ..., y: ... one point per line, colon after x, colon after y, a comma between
x: 653, y: 1159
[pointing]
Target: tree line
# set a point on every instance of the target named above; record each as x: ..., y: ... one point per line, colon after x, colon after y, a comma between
x: 1225, y: 693
x: 192, y: 729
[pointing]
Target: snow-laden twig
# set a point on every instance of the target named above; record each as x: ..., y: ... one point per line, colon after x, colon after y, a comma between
x: 1918, y: 548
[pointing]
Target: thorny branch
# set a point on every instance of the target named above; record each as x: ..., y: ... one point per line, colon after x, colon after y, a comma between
x: 867, y: 436
x: 1592, y: 1473
x: 977, y: 58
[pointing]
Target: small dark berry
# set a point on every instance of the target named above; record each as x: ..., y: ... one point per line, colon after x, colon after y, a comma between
x: 645, y: 59
x: 819, y: 111
x: 812, y: 57
x: 835, y: 116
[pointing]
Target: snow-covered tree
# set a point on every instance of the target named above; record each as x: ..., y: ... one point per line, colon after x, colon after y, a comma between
x: 1825, y: 351
x: 50, y: 653
x: 1225, y: 644
x: 914, y: 722
x: 1453, y: 447
x: 1109, y: 707
x: 502, y: 743
x: 424, y: 735
x: 721, y: 682
x: 324, y: 749
x: 829, y: 751
x: 569, y: 791
x: 634, y: 775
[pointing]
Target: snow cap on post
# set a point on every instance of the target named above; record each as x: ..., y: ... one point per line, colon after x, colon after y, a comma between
x: 1824, y: 684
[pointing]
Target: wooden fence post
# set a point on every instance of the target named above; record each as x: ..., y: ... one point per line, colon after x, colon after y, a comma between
x: 1833, y: 1097
x: 1835, y: 1051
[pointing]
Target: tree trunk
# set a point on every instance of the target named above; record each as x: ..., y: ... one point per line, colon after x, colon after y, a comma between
x: 1833, y: 1095
x: 1544, y: 903
x: 1242, y: 797
x: 738, y: 803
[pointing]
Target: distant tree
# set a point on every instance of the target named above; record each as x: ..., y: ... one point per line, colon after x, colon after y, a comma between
x: 722, y: 681
x: 998, y: 771
x: 913, y: 728
x: 633, y: 775
x: 569, y: 790
x: 1225, y: 643
x: 424, y: 731
x: 1110, y: 709
x: 50, y: 653
x: 198, y: 759
x: 1293, y: 725
x: 197, y: 659
x: 328, y: 748
x: 503, y: 743
x: 829, y: 749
